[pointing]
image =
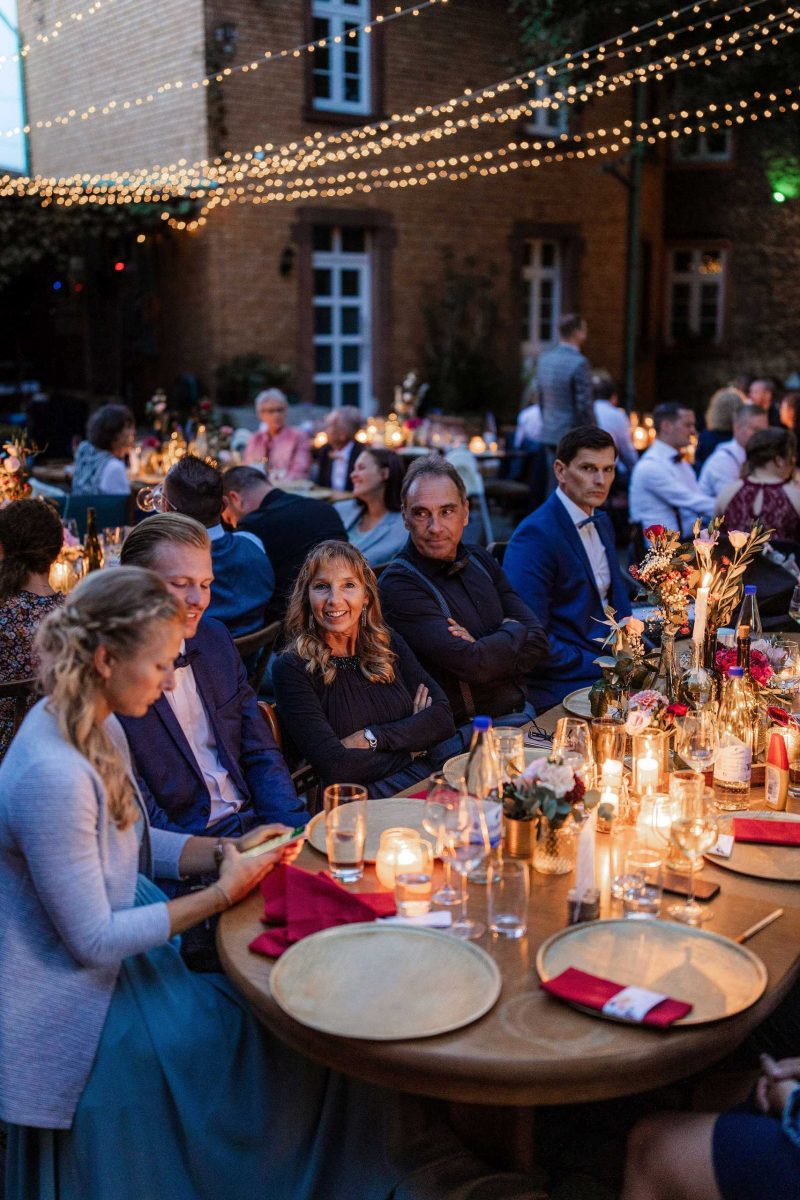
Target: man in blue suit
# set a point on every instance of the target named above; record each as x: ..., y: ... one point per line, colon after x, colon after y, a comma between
x: 562, y: 561
x: 203, y: 751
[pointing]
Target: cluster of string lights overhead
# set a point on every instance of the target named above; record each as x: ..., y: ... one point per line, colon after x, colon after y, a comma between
x: 266, y: 173
x: 73, y: 20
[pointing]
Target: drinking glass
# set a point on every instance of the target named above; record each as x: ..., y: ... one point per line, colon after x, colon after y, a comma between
x: 112, y: 544
x: 442, y: 797
x: 465, y: 852
x: 510, y: 747
x: 345, y: 834
x: 642, y: 884
x: 691, y: 836
x: 572, y: 741
x: 794, y: 604
x: 508, y: 895
x: 152, y: 499
x: 412, y: 889
x: 342, y: 793
x: 697, y: 739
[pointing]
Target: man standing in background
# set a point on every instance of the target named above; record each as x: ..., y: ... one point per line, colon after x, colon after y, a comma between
x: 564, y: 388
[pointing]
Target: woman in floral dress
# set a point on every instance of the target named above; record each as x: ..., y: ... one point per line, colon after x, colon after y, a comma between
x: 30, y: 541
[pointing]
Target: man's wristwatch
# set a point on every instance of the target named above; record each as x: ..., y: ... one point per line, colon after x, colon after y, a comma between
x: 219, y: 853
x: 372, y: 741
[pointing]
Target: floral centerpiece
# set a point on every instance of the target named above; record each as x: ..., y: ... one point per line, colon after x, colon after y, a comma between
x: 666, y: 579
x: 724, y: 576
x: 14, y: 470
x: 538, y: 803
x: 624, y: 664
x: 652, y: 710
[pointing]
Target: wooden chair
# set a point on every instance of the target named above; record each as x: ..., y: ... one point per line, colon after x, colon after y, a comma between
x: 304, y: 777
x: 257, y: 648
x: 498, y: 551
x: 22, y: 692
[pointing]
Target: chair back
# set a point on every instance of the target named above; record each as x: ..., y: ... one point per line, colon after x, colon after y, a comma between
x: 304, y: 777
x: 498, y: 551
x: 111, y: 511
x: 255, y: 649
x: 270, y: 715
x: 22, y: 692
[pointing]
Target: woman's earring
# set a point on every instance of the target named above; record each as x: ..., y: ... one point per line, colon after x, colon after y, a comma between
x: 364, y: 616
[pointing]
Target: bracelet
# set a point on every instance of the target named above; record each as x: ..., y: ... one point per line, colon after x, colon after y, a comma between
x: 228, y: 900
x: 219, y: 853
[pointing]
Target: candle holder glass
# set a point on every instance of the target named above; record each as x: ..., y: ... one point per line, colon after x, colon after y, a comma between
x: 650, y: 761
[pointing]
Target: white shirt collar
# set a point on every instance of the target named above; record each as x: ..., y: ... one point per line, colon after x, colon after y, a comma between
x: 215, y: 532
x: 572, y: 508
x: 659, y: 449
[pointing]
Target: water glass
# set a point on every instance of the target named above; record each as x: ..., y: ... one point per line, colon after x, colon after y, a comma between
x: 345, y: 834
x: 342, y: 793
x: 112, y: 545
x: 413, y: 889
x: 510, y: 747
x: 508, y: 899
x: 642, y: 884
x: 697, y: 739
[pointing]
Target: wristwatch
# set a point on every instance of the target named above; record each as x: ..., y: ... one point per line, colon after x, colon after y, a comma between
x: 219, y: 853
x: 372, y: 741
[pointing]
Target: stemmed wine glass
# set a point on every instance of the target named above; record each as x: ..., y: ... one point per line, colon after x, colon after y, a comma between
x: 572, y: 741
x: 692, y: 836
x: 442, y: 798
x: 466, y: 845
x: 697, y: 739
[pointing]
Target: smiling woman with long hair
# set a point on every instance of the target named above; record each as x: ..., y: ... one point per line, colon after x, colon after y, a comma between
x: 351, y: 695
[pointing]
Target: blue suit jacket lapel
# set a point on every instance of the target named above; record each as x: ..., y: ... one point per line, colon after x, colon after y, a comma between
x: 575, y: 542
x: 163, y: 709
x: 203, y: 667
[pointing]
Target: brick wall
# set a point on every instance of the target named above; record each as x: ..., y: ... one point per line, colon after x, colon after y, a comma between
x: 123, y: 51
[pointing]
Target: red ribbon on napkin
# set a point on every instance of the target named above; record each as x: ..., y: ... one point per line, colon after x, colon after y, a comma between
x: 298, y: 903
x: 773, y: 833
x: 594, y: 992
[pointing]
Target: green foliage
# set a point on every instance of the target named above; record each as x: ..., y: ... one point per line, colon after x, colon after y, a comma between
x: 461, y: 329
x: 241, y: 379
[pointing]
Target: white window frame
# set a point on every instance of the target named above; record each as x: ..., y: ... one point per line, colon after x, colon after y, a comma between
x: 338, y: 14
x: 337, y: 260
x: 696, y: 279
x: 533, y: 275
x: 702, y: 153
x: 545, y: 120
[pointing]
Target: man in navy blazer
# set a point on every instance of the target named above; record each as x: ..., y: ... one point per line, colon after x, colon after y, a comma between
x: 203, y: 752
x: 562, y: 561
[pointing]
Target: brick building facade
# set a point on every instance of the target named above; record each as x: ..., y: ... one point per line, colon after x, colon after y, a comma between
x: 342, y: 289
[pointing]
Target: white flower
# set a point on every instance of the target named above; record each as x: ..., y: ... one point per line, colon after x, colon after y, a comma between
x: 736, y: 538
x: 558, y: 778
x: 637, y: 721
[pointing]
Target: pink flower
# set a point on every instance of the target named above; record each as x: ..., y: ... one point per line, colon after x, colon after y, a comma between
x: 633, y: 625
x: 12, y: 464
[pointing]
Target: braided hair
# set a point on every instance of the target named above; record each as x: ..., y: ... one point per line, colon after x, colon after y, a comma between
x: 31, y: 537
x: 116, y: 609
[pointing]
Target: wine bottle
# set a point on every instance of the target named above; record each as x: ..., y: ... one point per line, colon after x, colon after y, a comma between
x: 92, y: 546
x: 748, y: 612
x: 759, y: 710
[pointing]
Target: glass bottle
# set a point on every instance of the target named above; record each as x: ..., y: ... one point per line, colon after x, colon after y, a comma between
x: 759, y: 709
x: 732, y: 767
x: 484, y: 783
x: 697, y: 687
x: 710, y: 646
x: 748, y: 612
x: 667, y: 675
x: 92, y: 546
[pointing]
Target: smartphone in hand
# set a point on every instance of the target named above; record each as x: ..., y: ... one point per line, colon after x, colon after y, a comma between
x: 275, y: 843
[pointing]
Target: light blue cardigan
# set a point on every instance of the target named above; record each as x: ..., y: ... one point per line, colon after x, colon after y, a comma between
x: 67, y: 885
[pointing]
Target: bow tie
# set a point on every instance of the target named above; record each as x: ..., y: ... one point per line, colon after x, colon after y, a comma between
x: 592, y: 520
x: 676, y: 458
x: 183, y: 660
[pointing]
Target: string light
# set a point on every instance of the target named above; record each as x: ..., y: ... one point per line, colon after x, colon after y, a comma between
x: 60, y: 27
x: 173, y: 86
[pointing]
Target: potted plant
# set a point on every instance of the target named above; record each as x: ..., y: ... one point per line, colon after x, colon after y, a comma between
x: 543, y: 807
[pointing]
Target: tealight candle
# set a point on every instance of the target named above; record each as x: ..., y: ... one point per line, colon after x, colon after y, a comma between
x: 647, y: 773
x: 399, y: 852
x: 612, y: 773
x: 477, y: 445
x: 610, y: 796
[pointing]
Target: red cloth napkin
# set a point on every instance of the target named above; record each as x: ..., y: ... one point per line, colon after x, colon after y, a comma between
x: 594, y: 992
x: 774, y: 833
x: 297, y: 903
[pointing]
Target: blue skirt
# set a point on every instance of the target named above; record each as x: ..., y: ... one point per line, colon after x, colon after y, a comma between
x: 753, y: 1158
x: 189, y: 1099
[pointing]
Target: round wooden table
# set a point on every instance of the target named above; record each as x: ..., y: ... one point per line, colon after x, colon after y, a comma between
x: 532, y: 1049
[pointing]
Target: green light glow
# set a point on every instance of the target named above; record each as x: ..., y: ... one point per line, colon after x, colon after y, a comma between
x: 778, y: 197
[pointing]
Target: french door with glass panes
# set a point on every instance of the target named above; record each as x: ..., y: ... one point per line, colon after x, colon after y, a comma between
x: 341, y: 299
x: 541, y: 296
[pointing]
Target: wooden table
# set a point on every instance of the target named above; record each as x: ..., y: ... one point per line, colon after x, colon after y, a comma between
x: 532, y: 1049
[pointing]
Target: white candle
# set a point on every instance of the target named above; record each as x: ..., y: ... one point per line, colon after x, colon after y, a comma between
x: 612, y: 773
x: 647, y: 773
x: 610, y: 796
x: 701, y: 609
x: 397, y: 854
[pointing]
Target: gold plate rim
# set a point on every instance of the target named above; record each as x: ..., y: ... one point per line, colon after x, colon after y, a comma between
x: 319, y: 819
x: 570, y: 703
x: 718, y: 860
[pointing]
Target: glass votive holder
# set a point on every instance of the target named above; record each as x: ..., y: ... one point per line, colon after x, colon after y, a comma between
x: 509, y: 889
x: 400, y: 851
x: 642, y: 884
x: 687, y: 789
x: 608, y: 743
x: 650, y: 761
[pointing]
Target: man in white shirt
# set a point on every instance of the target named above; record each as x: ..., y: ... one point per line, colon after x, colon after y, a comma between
x: 724, y: 466
x: 613, y: 419
x: 664, y: 489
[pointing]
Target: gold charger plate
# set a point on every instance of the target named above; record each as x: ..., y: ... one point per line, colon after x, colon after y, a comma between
x: 717, y: 976
x: 455, y: 768
x: 381, y: 814
x: 385, y: 982
x: 762, y: 862
x: 577, y: 703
